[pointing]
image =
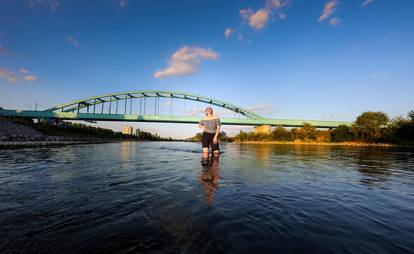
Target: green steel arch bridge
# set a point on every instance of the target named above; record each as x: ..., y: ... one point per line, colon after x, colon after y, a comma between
x: 132, y: 106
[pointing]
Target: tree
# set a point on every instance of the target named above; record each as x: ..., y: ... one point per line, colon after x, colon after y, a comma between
x: 298, y: 133
x: 323, y: 136
x: 310, y: 131
x: 342, y: 134
x: 368, y: 126
x: 400, y: 130
x: 411, y: 115
x: 305, y: 133
x: 242, y: 136
x: 280, y: 133
x: 223, y: 137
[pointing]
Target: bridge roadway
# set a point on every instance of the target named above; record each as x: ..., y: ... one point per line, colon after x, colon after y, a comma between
x: 165, y: 118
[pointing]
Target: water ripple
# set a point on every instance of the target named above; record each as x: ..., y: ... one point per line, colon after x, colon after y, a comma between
x: 157, y: 197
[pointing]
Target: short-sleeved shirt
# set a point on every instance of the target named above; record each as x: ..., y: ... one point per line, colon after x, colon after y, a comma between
x: 210, y: 125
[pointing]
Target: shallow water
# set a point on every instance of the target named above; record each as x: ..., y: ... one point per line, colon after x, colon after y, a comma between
x: 163, y: 197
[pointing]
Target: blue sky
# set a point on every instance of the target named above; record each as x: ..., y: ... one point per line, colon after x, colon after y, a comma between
x: 327, y: 60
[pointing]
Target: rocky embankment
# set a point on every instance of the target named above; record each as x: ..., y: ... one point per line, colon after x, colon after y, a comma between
x: 11, y: 131
x: 14, y: 135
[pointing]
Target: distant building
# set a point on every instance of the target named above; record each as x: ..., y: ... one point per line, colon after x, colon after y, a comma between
x: 128, y: 130
x: 263, y: 129
x: 137, y: 132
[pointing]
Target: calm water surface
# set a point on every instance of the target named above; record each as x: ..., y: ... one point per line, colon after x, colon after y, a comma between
x: 161, y: 197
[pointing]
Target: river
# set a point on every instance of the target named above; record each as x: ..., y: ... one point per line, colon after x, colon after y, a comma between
x: 163, y: 197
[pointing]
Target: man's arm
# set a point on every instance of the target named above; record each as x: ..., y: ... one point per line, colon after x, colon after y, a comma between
x: 217, y: 131
x: 201, y: 124
x: 216, y: 135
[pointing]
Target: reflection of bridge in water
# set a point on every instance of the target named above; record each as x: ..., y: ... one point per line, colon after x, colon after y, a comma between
x: 144, y: 106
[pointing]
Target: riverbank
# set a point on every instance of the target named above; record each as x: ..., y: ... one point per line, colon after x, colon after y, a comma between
x: 21, y: 133
x: 27, y: 144
x: 315, y: 143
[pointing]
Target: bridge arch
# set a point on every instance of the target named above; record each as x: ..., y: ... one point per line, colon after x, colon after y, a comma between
x: 75, y: 106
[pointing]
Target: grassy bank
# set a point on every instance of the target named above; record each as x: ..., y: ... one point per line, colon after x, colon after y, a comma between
x: 315, y: 143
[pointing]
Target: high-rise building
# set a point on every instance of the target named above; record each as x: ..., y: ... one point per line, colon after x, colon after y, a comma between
x: 128, y: 130
x: 137, y: 132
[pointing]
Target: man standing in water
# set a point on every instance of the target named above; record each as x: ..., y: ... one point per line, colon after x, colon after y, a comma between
x: 211, y: 129
x: 209, y: 174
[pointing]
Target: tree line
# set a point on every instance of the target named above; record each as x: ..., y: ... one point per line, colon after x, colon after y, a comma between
x: 221, y: 137
x: 369, y: 127
x: 77, y: 129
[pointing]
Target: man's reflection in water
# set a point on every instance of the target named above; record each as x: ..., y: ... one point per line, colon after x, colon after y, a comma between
x: 209, y: 176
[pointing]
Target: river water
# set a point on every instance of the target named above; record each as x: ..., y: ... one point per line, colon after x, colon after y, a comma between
x: 163, y: 197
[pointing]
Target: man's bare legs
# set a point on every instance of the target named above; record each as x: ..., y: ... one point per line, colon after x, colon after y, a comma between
x: 216, y: 153
x: 205, y: 152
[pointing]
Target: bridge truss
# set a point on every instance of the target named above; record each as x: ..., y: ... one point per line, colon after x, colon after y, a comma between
x: 133, y: 106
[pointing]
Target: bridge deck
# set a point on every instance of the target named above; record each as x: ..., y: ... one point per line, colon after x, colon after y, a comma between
x: 166, y: 119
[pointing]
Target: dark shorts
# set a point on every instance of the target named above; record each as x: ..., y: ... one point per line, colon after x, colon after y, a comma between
x: 207, y: 140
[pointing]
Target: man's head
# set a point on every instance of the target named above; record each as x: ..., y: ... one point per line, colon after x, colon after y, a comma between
x: 209, y: 111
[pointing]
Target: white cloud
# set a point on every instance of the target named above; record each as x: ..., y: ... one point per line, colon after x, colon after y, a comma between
x: 367, y: 2
x: 72, y: 40
x: 246, y: 13
x: 4, y: 51
x: 259, y: 19
x: 185, y: 61
x: 52, y: 4
x: 273, y: 4
x: 8, y: 75
x: 276, y: 4
x: 228, y: 32
x: 30, y: 78
x: 122, y: 3
x: 260, y: 107
x: 334, y: 22
x: 23, y: 70
x: 330, y: 7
